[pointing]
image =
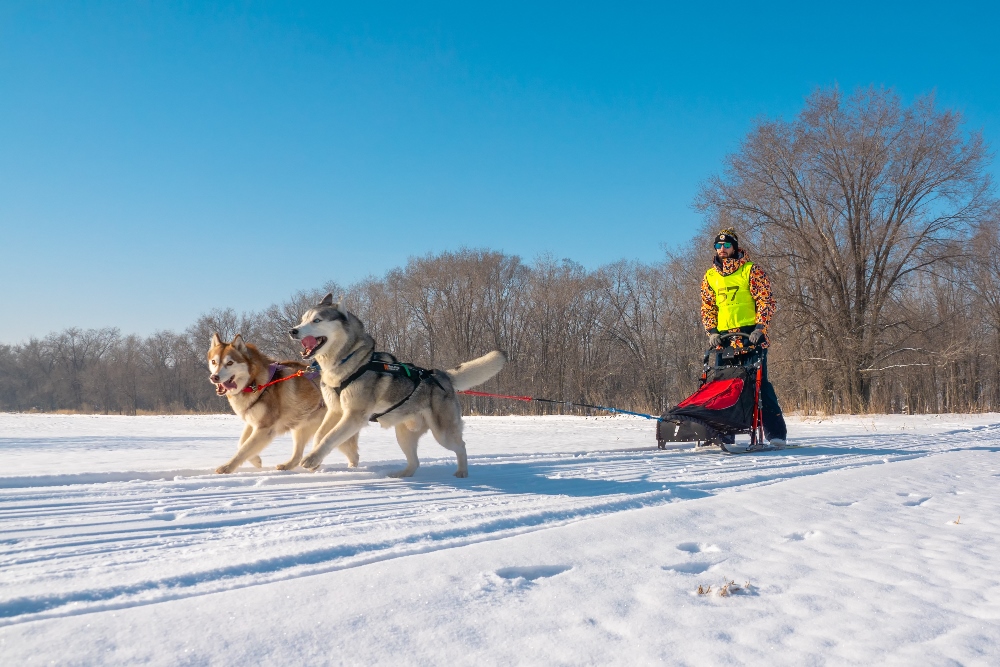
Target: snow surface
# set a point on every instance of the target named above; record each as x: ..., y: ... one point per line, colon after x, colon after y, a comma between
x: 573, y: 541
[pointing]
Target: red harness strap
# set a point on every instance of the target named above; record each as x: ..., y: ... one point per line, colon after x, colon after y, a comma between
x: 483, y: 393
x: 254, y: 388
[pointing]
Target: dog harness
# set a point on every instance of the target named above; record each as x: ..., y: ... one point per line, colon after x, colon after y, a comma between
x: 310, y: 373
x: 414, y: 373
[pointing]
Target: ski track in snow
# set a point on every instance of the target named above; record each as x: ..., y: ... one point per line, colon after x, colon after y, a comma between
x: 117, y: 539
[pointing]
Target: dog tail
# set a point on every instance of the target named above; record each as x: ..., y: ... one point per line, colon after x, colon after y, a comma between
x: 470, y: 373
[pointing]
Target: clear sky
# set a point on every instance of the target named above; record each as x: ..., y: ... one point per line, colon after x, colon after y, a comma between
x: 159, y: 159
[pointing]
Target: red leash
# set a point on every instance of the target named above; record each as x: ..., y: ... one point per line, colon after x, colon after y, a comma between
x: 254, y: 388
x: 483, y: 393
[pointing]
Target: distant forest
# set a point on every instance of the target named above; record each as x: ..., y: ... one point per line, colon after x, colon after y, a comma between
x: 877, y: 223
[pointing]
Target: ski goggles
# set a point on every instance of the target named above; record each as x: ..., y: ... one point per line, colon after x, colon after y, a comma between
x: 727, y: 244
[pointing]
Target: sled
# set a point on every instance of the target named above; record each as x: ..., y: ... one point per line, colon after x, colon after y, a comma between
x: 726, y: 404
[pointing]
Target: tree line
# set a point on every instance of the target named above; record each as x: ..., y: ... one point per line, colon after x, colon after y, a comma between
x: 618, y: 333
x: 876, y: 222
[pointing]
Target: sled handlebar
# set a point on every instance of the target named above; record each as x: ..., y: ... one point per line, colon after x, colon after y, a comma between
x: 727, y: 336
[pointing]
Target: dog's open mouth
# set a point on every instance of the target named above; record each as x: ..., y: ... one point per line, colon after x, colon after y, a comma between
x: 222, y: 387
x: 310, y: 344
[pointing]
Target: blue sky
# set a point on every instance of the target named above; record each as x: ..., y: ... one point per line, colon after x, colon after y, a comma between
x: 161, y: 159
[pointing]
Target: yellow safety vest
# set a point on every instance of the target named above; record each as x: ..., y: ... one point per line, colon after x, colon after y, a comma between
x: 732, y: 297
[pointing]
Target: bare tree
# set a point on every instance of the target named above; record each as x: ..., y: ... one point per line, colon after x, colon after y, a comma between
x: 848, y: 203
x: 227, y: 323
x: 273, y: 324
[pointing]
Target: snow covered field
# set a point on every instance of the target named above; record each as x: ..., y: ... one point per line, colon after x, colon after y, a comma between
x: 573, y: 541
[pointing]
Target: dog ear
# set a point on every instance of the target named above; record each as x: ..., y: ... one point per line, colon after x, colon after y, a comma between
x: 340, y: 307
x: 327, y: 300
x: 216, y: 341
x: 239, y: 344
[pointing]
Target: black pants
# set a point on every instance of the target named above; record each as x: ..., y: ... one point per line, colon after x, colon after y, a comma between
x: 774, y: 422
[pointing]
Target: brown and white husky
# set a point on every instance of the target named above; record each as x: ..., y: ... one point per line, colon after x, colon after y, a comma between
x: 238, y: 370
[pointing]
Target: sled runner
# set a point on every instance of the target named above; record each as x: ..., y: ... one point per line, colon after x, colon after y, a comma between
x: 727, y: 403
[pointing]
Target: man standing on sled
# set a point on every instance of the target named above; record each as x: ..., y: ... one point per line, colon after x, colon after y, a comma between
x: 736, y: 296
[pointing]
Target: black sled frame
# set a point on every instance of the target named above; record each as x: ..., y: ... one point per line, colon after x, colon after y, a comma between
x: 707, y: 429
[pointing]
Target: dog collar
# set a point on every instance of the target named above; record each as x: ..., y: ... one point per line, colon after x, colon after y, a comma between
x: 344, y: 360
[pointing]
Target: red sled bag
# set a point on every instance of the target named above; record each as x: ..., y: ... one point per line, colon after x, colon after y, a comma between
x: 726, y: 404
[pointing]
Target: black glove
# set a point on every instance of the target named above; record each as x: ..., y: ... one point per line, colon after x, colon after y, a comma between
x: 756, y: 335
x: 714, y: 340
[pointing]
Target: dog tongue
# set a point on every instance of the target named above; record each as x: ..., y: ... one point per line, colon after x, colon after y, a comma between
x: 309, y: 342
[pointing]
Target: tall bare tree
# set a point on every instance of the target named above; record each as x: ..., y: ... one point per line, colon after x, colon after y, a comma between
x: 848, y: 203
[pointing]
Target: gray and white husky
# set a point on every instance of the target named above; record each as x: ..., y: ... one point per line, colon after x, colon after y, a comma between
x: 359, y: 385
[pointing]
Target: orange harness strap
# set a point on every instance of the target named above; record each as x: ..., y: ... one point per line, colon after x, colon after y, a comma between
x: 254, y: 388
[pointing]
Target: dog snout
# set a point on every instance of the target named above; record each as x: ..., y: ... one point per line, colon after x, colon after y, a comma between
x: 214, y: 378
x: 293, y: 333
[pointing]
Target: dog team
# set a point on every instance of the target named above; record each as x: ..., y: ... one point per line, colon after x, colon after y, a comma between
x: 356, y: 385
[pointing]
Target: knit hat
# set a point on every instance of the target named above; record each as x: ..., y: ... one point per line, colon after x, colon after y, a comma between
x: 727, y: 234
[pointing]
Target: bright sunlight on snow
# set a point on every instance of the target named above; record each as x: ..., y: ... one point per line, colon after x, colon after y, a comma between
x: 573, y: 541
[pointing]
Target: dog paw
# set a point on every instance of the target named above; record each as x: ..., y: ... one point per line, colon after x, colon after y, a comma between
x: 226, y: 469
x: 311, y: 463
x: 291, y: 465
x: 462, y: 473
x: 255, y: 461
x: 402, y: 473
